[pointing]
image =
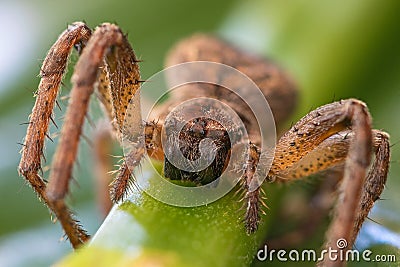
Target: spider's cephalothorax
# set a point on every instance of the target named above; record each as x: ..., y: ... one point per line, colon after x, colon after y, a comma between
x: 337, y: 134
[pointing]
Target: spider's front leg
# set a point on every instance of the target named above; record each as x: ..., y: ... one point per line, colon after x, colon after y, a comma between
x: 51, y: 73
x: 107, y: 58
x: 108, y: 48
x: 322, y: 139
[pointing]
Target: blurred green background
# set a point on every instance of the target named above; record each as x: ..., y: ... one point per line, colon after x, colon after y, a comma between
x: 333, y: 49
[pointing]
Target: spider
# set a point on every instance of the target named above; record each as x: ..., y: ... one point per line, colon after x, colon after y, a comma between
x: 336, y: 134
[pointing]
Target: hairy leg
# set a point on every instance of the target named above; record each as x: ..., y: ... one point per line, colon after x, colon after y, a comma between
x: 124, y: 180
x: 107, y: 42
x: 51, y: 74
x: 376, y: 179
x: 153, y: 147
x: 253, y: 200
x: 313, y: 145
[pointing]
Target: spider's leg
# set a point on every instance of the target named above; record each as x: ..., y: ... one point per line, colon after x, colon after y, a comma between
x: 334, y: 150
x: 376, y: 178
x: 310, y: 146
x: 253, y: 198
x: 153, y: 146
x: 107, y: 40
x: 121, y: 184
x: 51, y: 75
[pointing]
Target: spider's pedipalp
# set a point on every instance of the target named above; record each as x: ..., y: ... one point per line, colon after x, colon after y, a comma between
x: 253, y: 198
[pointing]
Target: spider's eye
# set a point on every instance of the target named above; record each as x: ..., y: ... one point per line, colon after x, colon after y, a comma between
x: 197, y: 127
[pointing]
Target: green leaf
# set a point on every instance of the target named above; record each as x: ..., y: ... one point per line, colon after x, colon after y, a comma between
x: 143, y: 230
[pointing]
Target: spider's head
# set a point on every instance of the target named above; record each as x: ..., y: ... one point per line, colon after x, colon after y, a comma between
x: 192, y: 134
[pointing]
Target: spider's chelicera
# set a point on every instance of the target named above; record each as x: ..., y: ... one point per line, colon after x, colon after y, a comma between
x: 336, y: 134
